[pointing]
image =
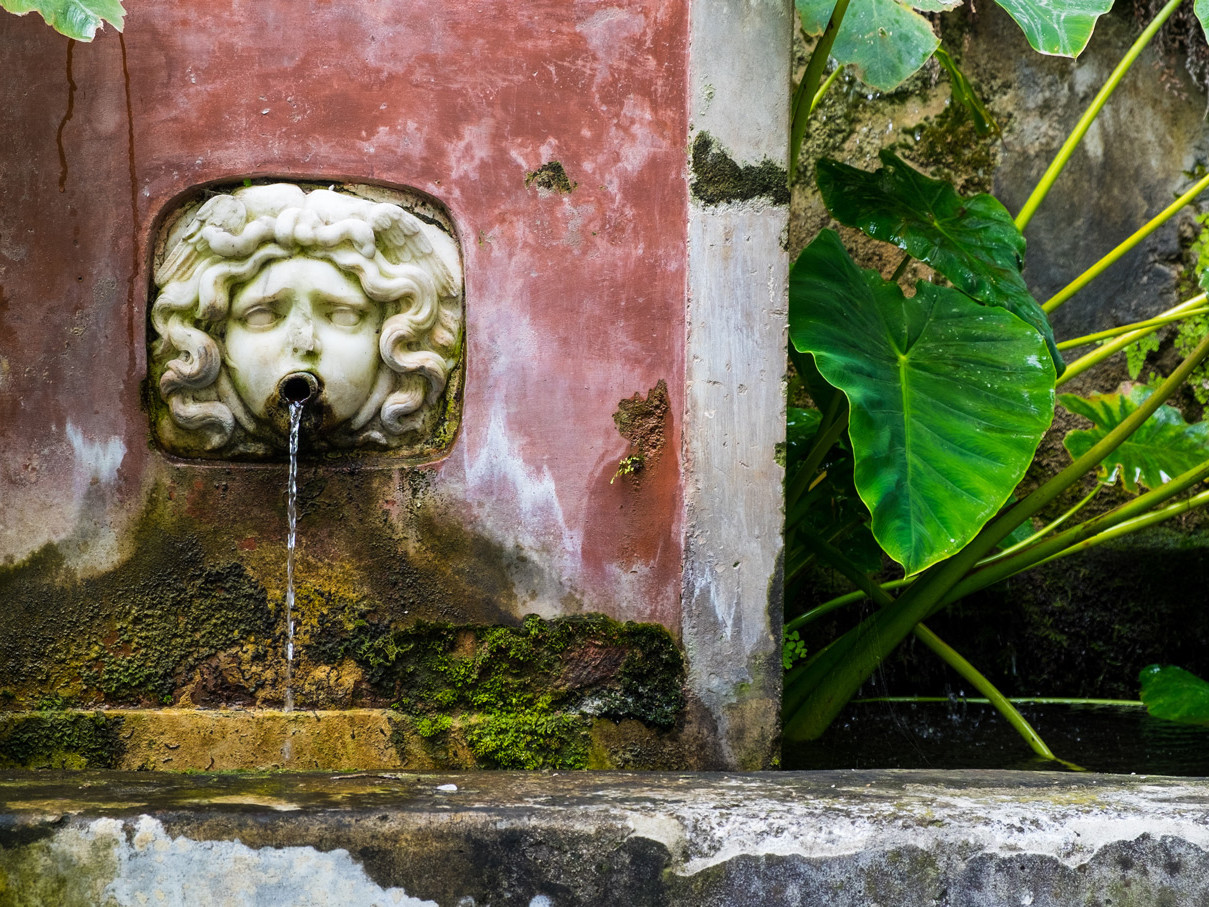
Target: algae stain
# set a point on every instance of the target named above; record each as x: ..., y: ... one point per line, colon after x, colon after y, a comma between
x: 61, y: 740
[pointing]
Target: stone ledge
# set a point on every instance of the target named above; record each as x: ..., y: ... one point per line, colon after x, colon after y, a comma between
x: 864, y: 838
x: 335, y: 740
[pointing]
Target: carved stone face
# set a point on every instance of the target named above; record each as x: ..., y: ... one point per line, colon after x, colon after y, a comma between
x: 303, y: 316
x: 279, y: 292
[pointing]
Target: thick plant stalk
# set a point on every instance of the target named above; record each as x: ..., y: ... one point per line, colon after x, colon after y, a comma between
x: 1015, y: 700
x: 830, y: 679
x: 1085, y: 121
x: 852, y: 597
x: 1144, y: 327
x: 1095, y: 357
x: 1042, y: 532
x: 1135, y: 514
x: 1002, y: 704
x: 835, y: 420
x: 803, y: 96
x: 1125, y: 527
x: 1138, y: 235
x: 947, y: 654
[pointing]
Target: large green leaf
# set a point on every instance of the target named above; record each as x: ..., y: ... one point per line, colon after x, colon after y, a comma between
x: 971, y: 241
x: 1057, y: 27
x: 1174, y: 694
x: 1201, y: 8
x: 1162, y: 448
x: 885, y: 41
x: 77, y: 19
x: 948, y: 398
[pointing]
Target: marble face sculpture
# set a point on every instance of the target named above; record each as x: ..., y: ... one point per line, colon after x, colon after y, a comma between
x: 272, y: 294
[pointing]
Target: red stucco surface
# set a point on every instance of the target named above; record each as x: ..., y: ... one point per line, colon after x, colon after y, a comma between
x: 574, y: 301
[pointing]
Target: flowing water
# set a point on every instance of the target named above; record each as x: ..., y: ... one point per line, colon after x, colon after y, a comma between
x: 292, y: 511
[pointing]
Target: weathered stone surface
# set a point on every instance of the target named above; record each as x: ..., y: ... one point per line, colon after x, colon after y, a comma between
x: 555, y: 141
x: 549, y: 840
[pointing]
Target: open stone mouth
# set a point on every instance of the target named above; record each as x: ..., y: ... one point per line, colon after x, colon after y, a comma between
x: 298, y: 387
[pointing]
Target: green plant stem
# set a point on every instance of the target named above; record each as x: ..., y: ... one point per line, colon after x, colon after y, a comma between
x: 1095, y: 357
x: 1153, y: 323
x: 835, y: 420
x: 839, y: 601
x: 1068, y: 147
x: 800, y: 558
x: 947, y: 653
x: 1112, y: 257
x: 976, y: 679
x: 1044, y: 531
x: 1138, y: 513
x: 1125, y: 527
x: 827, y: 83
x: 901, y: 269
x: 849, y: 598
x: 803, y: 95
x: 829, y: 680
x: 1018, y: 700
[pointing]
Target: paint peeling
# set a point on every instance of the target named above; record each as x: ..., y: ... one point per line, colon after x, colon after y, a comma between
x: 98, y: 864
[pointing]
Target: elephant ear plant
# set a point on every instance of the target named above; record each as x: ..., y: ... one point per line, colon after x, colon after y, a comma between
x: 931, y: 405
x: 77, y: 19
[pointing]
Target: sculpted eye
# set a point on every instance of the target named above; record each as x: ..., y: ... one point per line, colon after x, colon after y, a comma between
x: 259, y: 317
x: 345, y: 317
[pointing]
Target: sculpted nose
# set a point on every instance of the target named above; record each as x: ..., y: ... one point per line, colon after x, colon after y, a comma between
x: 302, y: 335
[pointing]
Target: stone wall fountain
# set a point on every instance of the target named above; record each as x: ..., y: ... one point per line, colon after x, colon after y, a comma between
x: 537, y: 495
x: 517, y: 279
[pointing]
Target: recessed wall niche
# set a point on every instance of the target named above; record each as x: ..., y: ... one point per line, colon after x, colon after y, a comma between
x: 345, y: 298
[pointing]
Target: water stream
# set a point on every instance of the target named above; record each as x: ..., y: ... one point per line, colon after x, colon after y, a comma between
x: 292, y: 511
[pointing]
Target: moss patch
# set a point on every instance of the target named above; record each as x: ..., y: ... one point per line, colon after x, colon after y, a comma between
x: 60, y: 740
x: 186, y: 621
x: 516, y: 697
x: 717, y: 178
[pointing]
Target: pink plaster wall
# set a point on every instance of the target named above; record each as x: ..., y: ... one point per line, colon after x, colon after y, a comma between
x: 574, y: 301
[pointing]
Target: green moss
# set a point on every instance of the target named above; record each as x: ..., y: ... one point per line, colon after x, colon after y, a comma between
x: 530, y: 739
x: 60, y: 740
x: 430, y: 726
x: 180, y: 623
x: 718, y: 179
x: 520, y: 697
